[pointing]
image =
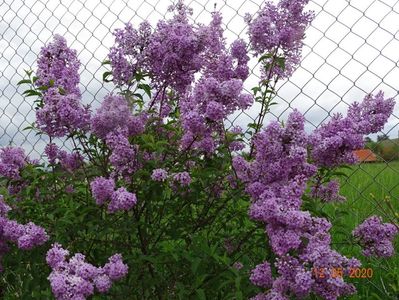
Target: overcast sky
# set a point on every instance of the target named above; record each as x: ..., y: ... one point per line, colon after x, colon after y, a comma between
x: 351, y: 49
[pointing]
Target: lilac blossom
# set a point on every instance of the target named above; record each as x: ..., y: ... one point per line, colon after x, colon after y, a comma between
x: 121, y: 199
x: 371, y: 115
x: 102, y: 189
x: 276, y: 181
x: 279, y: 30
x: 262, y: 275
x: 334, y: 142
x: 174, y: 50
x: 58, y: 66
x: 183, y: 178
x: 127, y: 56
x: 62, y: 114
x: 25, y: 236
x: 328, y: 192
x: 113, y: 114
x: 115, y: 268
x: 159, y: 175
x: 376, y: 237
x: 78, y: 279
x: 12, y: 161
x: 238, y: 265
x: 123, y: 153
x: 69, y: 161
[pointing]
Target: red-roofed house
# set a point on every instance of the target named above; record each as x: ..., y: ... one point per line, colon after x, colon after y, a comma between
x: 365, y: 155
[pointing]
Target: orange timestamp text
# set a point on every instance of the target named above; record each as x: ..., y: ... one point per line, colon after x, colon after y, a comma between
x: 341, y: 272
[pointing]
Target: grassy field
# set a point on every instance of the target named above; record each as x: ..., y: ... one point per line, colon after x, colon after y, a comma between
x: 370, y: 189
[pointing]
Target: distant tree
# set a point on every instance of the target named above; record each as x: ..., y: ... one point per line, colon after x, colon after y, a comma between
x: 367, y: 139
x: 382, y: 137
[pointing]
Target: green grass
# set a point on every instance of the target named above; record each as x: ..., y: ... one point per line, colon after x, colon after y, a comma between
x: 366, y: 189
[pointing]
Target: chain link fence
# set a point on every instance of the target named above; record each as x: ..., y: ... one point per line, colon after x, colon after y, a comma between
x: 351, y: 49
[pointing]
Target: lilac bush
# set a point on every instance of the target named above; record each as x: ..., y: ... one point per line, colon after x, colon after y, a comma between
x: 161, y: 193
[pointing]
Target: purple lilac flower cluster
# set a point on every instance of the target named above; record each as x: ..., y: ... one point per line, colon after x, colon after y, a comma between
x: 217, y: 94
x: 376, y: 237
x: 334, y: 142
x: 328, y: 192
x: 61, y: 112
x: 25, y: 236
x: 115, y: 123
x: 69, y: 161
x: 127, y: 56
x: 276, y: 181
x: 171, y: 54
x: 123, y: 157
x: 183, y: 178
x: 58, y: 66
x: 279, y: 30
x: 159, y: 175
x: 174, y: 50
x: 12, y: 160
x: 104, y: 190
x: 115, y: 115
x: 76, y: 278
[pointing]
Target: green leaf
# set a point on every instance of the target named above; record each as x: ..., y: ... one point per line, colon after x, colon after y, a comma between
x: 28, y: 72
x: 200, y: 294
x: 265, y: 56
x: 29, y: 93
x: 281, y: 62
x: 146, y: 88
x: 43, y: 88
x: 24, y: 81
x: 106, y: 75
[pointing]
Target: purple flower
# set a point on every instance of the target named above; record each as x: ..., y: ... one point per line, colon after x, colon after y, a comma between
x: 52, y: 152
x: 183, y: 178
x: 371, y: 115
x: 376, y: 237
x: 33, y: 236
x: 62, y: 114
x: 127, y: 55
x: 103, y: 283
x: 69, y: 189
x: 159, y: 175
x: 334, y: 142
x: 58, y: 66
x: 174, y: 51
x: 115, y: 268
x: 70, y: 161
x: 279, y: 29
x: 102, y: 189
x: 328, y: 192
x: 25, y: 236
x: 76, y: 278
x: 121, y: 199
x: 123, y: 157
x: 56, y: 255
x: 4, y: 208
x: 214, y: 111
x: 12, y: 160
x: 238, y: 265
x: 112, y: 115
x: 262, y: 275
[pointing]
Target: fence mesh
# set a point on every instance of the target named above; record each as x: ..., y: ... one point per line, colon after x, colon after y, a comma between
x: 351, y: 49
